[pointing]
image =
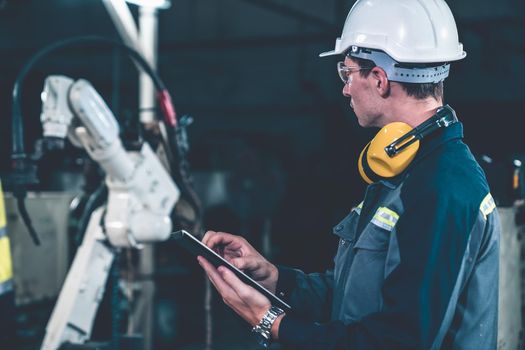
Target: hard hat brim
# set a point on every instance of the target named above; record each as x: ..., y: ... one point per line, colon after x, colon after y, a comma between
x: 329, y: 53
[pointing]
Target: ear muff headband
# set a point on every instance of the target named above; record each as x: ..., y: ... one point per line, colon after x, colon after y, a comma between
x: 395, y: 146
x: 444, y: 117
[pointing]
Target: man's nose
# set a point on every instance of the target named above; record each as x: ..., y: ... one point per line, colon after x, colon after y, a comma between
x: 346, y: 90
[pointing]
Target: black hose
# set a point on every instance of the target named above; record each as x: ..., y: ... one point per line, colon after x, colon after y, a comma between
x: 91, y: 204
x: 178, y: 142
x: 25, y: 216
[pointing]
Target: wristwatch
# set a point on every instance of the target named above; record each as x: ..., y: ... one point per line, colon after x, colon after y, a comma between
x: 263, y: 329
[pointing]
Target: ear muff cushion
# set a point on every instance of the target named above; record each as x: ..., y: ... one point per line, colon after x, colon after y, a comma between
x: 375, y: 164
x: 362, y: 166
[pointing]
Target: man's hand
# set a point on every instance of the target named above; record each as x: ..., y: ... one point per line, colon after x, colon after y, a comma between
x: 243, y: 299
x: 242, y: 255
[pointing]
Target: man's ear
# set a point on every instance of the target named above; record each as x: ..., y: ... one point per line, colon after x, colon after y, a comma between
x: 381, y: 82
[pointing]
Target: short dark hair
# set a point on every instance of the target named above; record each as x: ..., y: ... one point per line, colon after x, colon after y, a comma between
x: 418, y: 90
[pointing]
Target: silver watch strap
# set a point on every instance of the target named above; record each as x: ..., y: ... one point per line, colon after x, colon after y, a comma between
x: 265, y: 325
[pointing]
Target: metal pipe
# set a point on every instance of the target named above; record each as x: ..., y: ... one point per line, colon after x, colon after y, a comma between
x: 147, y: 40
x: 148, y: 36
x: 123, y: 19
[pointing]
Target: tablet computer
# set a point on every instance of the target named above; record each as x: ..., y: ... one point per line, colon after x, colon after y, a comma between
x: 196, y: 247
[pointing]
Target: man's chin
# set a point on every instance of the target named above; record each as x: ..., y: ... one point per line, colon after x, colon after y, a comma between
x: 363, y: 122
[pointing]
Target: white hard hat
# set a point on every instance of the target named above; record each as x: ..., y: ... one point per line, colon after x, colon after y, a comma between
x: 409, y: 31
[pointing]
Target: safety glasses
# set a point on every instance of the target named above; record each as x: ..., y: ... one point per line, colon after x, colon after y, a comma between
x: 345, y: 71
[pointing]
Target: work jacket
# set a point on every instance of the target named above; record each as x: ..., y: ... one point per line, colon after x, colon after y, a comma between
x: 416, y: 266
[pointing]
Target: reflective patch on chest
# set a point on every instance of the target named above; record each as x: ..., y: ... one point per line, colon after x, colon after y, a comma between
x: 385, y: 218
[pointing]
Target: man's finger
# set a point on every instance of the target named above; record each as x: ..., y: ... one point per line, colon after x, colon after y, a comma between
x: 234, y: 248
x: 211, y: 271
x: 207, y: 236
x: 215, y: 277
x: 219, y: 238
x: 245, y: 263
x: 243, y: 290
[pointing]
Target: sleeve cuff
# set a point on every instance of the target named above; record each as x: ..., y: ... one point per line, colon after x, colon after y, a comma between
x: 286, y: 282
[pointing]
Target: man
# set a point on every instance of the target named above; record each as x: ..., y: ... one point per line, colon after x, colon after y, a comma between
x: 417, y: 263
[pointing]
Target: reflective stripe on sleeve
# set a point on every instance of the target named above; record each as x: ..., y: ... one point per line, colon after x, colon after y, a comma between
x: 487, y: 205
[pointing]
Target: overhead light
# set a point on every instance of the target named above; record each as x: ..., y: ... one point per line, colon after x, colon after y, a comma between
x: 158, y: 4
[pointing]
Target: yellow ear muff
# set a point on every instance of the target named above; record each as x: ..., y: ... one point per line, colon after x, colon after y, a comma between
x: 375, y: 164
x: 360, y: 165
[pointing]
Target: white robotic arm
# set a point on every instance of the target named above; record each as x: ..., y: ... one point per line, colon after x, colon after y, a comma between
x: 141, y: 192
x: 140, y: 200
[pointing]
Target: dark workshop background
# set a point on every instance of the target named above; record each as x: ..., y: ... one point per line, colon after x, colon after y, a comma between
x: 267, y: 110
